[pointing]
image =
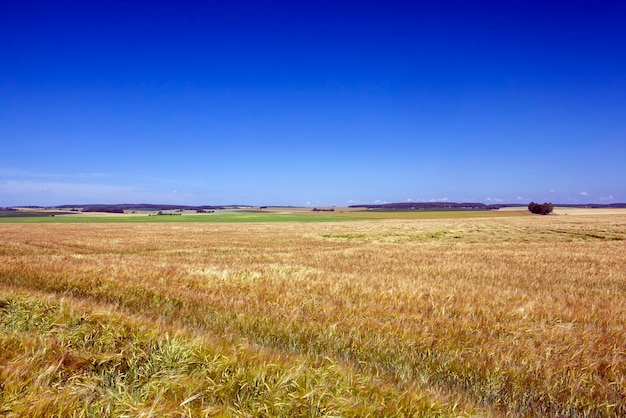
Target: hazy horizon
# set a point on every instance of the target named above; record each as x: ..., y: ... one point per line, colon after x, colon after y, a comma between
x: 307, y: 205
x: 312, y: 104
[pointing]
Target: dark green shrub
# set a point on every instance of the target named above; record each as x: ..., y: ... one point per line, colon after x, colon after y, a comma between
x: 541, y: 209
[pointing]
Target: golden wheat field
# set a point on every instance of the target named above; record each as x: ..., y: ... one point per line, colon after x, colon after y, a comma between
x: 493, y: 316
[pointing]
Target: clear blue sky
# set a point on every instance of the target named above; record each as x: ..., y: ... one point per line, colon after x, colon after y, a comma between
x: 316, y: 102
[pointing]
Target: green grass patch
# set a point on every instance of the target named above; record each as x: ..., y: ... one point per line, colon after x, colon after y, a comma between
x: 249, y: 216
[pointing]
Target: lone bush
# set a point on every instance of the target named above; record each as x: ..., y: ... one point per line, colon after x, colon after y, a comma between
x: 541, y: 209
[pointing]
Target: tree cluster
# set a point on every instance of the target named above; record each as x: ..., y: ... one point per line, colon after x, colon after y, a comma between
x: 105, y: 209
x: 541, y: 209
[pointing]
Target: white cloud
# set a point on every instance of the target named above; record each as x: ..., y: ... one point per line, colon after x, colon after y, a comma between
x: 25, y: 192
x: 51, y: 193
x: 584, y: 194
x: 354, y: 202
x: 609, y: 197
x: 17, y: 174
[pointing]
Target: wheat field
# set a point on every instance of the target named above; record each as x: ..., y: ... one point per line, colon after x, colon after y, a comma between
x: 493, y: 316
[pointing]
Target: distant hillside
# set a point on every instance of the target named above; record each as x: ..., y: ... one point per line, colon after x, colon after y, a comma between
x: 593, y: 205
x: 473, y: 206
x: 120, y: 208
x: 428, y: 205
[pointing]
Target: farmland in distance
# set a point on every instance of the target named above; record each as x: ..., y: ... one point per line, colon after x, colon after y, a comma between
x: 442, y: 315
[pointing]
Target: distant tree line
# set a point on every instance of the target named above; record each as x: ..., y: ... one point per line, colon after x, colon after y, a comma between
x: 161, y: 213
x: 105, y: 209
x: 136, y: 206
x: 430, y: 205
x: 540, y: 209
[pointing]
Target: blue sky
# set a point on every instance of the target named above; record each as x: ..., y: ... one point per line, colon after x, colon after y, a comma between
x: 312, y: 103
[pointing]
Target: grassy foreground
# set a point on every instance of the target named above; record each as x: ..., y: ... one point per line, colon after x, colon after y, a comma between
x: 431, y: 317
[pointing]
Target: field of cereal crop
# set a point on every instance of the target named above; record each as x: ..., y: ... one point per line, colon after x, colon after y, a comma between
x: 447, y: 316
